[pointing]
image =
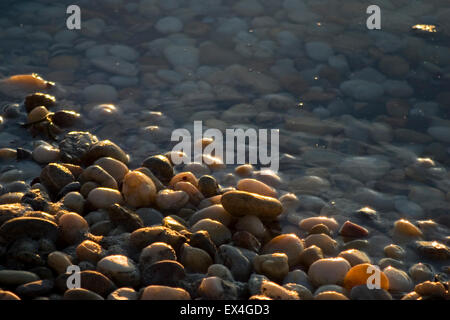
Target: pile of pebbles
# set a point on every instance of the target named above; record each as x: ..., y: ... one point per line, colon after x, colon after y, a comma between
x: 161, y: 231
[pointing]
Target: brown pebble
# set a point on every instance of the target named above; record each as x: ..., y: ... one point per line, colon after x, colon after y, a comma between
x: 89, y: 251
x: 352, y: 230
x: 72, y: 227
x: 320, y: 228
x: 310, y: 255
x: 156, y: 292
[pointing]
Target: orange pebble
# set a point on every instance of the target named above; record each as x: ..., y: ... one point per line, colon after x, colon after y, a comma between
x: 359, y: 275
x: 184, y: 176
x: 29, y: 81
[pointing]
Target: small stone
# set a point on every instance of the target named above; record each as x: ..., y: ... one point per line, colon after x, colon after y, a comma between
x: 202, y: 240
x: 219, y: 270
x: 352, y: 230
x: 363, y: 292
x: 104, y: 148
x: 115, y: 168
x: 215, y: 288
x: 8, y: 295
x: 246, y: 240
x: 275, y: 266
x: 251, y: 224
x: 156, y: 292
x: 421, y: 272
x: 170, y: 200
x: 277, y: 292
x: 164, y: 272
x: 236, y: 261
x: 430, y: 289
x: 310, y: 255
x: 121, y: 269
x: 96, y: 282
x: 46, y: 154
x: 138, y: 189
x: 320, y: 228
x: 308, y: 223
x: 168, y: 25
x: 194, y: 259
x: 255, y: 186
x: 16, y: 277
x: 289, y: 244
x: 28, y: 227
x: 432, y: 249
x: 155, y: 252
x: 72, y: 227
x: 55, y: 176
x: 160, y: 166
x: 195, y: 196
x: 394, y: 251
x: 74, y: 201
x: 399, y: 281
x: 323, y: 241
x: 59, y: 261
x: 123, y: 294
x: 240, y: 203
x: 126, y: 218
x: 360, y: 274
x: 207, y: 185
x: 411, y: 296
x: 355, y: 257
x: 330, y: 295
x: 74, y: 145
x: 89, y: 251
x: 244, y: 170
x: 141, y: 238
x: 328, y: 271
x: 303, y: 292
x: 102, y: 198
x: 405, y: 228
x: 81, y: 294
x: 219, y: 233
x: 214, y: 212
x: 319, y: 51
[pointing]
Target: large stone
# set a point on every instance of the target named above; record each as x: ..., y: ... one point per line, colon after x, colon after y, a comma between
x: 138, y: 189
x: 28, y: 227
x: 75, y: 144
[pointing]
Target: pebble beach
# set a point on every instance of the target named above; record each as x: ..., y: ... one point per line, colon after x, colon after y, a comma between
x: 89, y: 181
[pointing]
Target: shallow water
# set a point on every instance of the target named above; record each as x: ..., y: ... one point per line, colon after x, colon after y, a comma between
x: 358, y: 110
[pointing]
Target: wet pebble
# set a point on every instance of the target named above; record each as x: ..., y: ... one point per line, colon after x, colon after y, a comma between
x: 399, y: 281
x: 394, y: 251
x: 45, y: 154
x: 239, y: 203
x: 81, y: 294
x: 430, y: 289
x: 420, y: 272
x: 355, y: 257
x: 308, y: 223
x: 323, y: 241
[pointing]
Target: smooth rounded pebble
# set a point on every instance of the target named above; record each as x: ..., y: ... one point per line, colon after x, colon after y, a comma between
x: 328, y: 271
x: 138, y: 189
x: 89, y: 251
x: 275, y: 266
x: 121, y: 269
x: 59, y: 261
x: 308, y: 223
x: 251, y: 224
x: 123, y: 294
x: 330, y: 295
x: 156, y: 292
x: 354, y: 257
x: 326, y: 243
x: 364, y: 274
x: 310, y: 255
x: 16, y: 277
x: 46, y: 154
x: 405, y: 228
x: 72, y: 226
x: 171, y: 200
x: 421, y: 272
x: 255, y: 186
x: 240, y: 203
x: 399, y: 281
x: 157, y: 251
x: 195, y: 259
x: 394, y: 251
x: 431, y: 289
x: 102, y: 198
x: 289, y: 244
x: 81, y: 294
x: 115, y: 168
x: 219, y: 233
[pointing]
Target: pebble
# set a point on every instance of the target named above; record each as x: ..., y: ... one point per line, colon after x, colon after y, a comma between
x: 138, y: 189
x: 72, y: 227
x: 235, y: 261
x: 104, y: 148
x: 35, y: 288
x: 430, y: 289
x: 81, y: 294
x: 16, y: 277
x: 123, y: 294
x: 75, y: 144
x: 303, y: 292
x: 170, y: 200
x: 399, y: 281
x: 289, y: 244
x: 156, y: 292
x: 352, y: 230
x: 114, y: 65
x: 8, y: 295
x: 74, y: 201
x: 320, y: 228
x: 215, y: 288
x: 32, y: 227
x: 195, y: 259
x: 275, y: 266
x: 102, y: 198
x: 361, y: 274
x: 251, y: 224
x: 125, y: 218
x: 255, y: 186
x: 433, y: 250
x: 405, y: 228
x: 141, y: 238
x: 421, y: 272
x: 394, y: 251
x: 155, y: 252
x: 164, y: 272
x: 310, y: 255
x: 214, y: 212
x: 220, y: 271
x: 46, y: 154
x: 101, y: 93
x: 55, y: 176
x: 308, y: 223
x: 277, y: 292
x: 120, y: 269
x: 440, y: 133
x: 59, y: 261
x: 362, y: 90
x: 246, y: 240
x: 323, y: 241
x: 124, y: 52
x: 330, y: 295
x: 355, y: 257
x: 328, y: 271
x: 219, y: 233
x: 97, y: 174
x: 184, y: 177
x: 195, y: 196
x: 160, y: 166
x: 182, y: 56
x: 362, y: 292
x: 239, y: 203
x: 89, y: 251
x: 207, y: 185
